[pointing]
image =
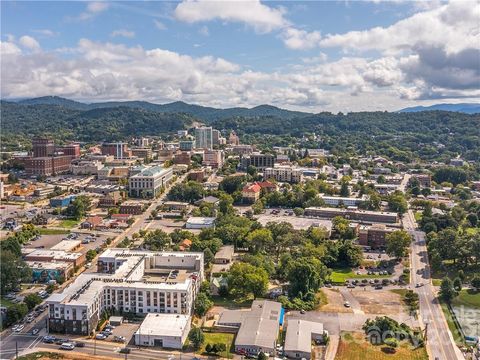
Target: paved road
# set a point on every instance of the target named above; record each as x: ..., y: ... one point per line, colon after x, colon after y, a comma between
x: 440, y: 342
x: 11, y: 342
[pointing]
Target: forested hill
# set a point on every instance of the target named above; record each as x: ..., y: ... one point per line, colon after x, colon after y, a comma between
x: 20, y: 122
x: 203, y: 113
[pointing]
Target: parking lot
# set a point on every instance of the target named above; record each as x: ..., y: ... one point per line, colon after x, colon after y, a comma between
x: 48, y: 241
x: 297, y: 222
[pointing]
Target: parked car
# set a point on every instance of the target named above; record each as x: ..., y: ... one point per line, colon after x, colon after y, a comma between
x: 19, y: 328
x: 79, y: 344
x: 49, y: 339
x: 125, y: 350
x: 35, y: 331
x: 346, y: 304
x: 100, y: 336
x: 59, y: 341
x: 67, y: 346
x: 119, y: 338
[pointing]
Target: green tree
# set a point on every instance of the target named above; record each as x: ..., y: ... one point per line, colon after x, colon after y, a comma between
x: 457, y: 284
x: 397, y: 202
x: 397, y: 243
x: 245, y: 279
x: 344, y: 191
x: 196, y: 337
x: 202, y: 304
x: 260, y: 239
x: 157, y: 240
x: 447, y: 292
x: 15, y: 313
x: 90, y: 255
x: 306, y: 275
x: 13, y: 271
x: 32, y: 300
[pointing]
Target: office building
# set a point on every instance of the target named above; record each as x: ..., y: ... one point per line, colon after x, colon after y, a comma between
x: 233, y: 138
x: 48, y: 165
x: 260, y: 161
x: 72, y: 150
x: 213, y: 158
x: 118, y: 150
x: 149, y: 182
x: 186, y: 145
x: 374, y: 236
x: 43, y: 147
x: 216, y: 137
x: 144, y: 153
x: 182, y: 157
x: 204, y: 138
x: 129, y: 281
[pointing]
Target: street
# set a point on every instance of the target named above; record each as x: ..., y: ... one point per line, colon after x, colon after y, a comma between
x: 440, y: 343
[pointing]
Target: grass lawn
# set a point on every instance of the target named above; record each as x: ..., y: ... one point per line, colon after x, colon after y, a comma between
x: 451, y: 325
x: 68, y: 223
x: 232, y: 303
x: 215, y: 338
x: 5, y: 302
x: 418, y: 216
x: 340, y: 275
x: 322, y: 299
x: 451, y: 270
x: 44, y: 231
x: 354, y: 346
x: 467, y: 298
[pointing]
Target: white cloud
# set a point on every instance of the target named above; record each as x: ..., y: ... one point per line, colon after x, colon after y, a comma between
x: 159, y: 25
x: 93, y: 9
x: 300, y: 39
x: 454, y: 25
x: 45, y: 32
x: 29, y: 42
x: 123, y: 33
x: 262, y: 18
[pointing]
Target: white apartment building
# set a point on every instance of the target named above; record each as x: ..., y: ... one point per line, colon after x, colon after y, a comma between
x: 149, y: 182
x: 284, y: 173
x: 204, y: 137
x: 347, y: 201
x: 133, y: 281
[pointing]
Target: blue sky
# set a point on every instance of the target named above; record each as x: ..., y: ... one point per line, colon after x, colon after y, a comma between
x: 313, y: 56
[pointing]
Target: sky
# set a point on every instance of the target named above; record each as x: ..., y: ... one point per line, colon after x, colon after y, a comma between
x: 309, y: 56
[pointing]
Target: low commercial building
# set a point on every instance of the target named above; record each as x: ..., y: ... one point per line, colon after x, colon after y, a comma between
x: 298, y: 340
x: 47, y: 256
x: 283, y: 173
x: 175, y: 206
x: 150, y: 182
x: 163, y: 330
x: 346, y: 201
x: 200, y: 223
x: 61, y: 201
x: 87, y: 167
x: 45, y: 271
x: 197, y: 175
x: 91, y: 222
x: 182, y: 158
x: 128, y: 281
x: 131, y: 207
x: 257, y: 328
x: 67, y: 245
x: 353, y: 214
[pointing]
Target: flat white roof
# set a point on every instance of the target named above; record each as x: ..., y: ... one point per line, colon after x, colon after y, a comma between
x: 201, y: 220
x: 66, y: 245
x: 164, y: 325
x: 299, y: 335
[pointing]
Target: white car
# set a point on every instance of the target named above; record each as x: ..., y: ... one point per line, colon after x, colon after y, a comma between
x: 67, y: 346
x: 100, y: 337
x: 19, y: 328
x: 346, y: 304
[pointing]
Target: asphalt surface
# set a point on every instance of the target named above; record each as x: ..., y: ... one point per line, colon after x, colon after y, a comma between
x: 10, y: 341
x: 440, y: 343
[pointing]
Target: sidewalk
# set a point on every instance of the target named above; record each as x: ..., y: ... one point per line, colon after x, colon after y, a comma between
x: 332, y: 347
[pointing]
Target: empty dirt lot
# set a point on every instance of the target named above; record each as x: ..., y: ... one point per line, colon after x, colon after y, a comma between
x: 335, y: 302
x: 379, y: 302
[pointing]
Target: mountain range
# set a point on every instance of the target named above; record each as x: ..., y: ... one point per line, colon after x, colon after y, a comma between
x: 207, y: 114
x: 463, y: 108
